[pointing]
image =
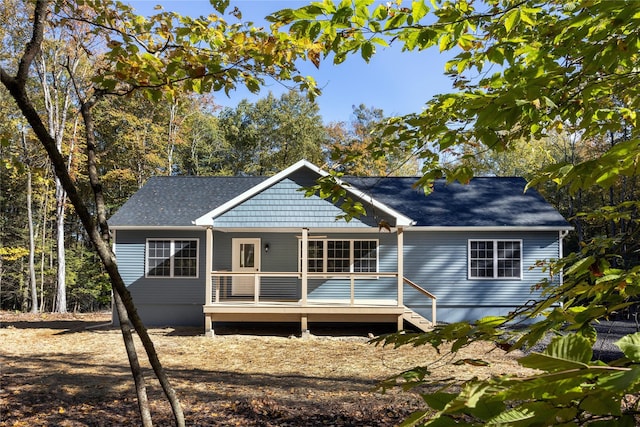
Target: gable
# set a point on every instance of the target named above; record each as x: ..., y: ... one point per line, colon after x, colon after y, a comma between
x: 284, y: 205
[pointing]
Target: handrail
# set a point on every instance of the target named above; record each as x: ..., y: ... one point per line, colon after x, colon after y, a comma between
x: 257, y: 275
x: 419, y: 288
x: 336, y: 275
x: 427, y: 293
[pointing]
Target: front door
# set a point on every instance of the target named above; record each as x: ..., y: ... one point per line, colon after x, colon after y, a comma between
x: 245, y: 258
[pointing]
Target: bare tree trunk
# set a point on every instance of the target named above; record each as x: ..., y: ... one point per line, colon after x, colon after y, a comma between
x: 60, y: 305
x: 136, y: 371
x: 45, y: 204
x: 57, y: 99
x: 16, y: 86
x: 32, y: 238
x: 112, y: 269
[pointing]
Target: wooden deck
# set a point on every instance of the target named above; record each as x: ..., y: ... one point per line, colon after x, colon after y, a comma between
x: 295, y: 312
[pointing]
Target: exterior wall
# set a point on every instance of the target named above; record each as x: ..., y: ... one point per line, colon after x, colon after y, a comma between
x: 284, y: 206
x: 438, y: 262
x: 161, y: 301
x: 283, y: 257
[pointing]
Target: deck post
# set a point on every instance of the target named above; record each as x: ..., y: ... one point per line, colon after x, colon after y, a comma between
x: 305, y: 266
x: 400, y: 247
x: 208, y: 325
x: 256, y: 288
x: 208, y: 265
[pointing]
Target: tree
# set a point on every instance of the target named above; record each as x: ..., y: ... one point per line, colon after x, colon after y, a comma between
x: 160, y: 56
x: 270, y: 135
x: 523, y: 70
x: 361, y: 148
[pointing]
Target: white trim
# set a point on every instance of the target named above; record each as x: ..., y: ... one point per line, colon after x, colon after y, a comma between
x: 245, y: 286
x: 491, y: 228
x: 157, y: 227
x: 325, y: 258
x: 328, y: 231
x: 171, y: 257
x: 207, y: 219
x: 495, y: 259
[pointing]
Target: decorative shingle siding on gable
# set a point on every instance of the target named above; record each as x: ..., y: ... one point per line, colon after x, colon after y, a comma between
x: 284, y: 206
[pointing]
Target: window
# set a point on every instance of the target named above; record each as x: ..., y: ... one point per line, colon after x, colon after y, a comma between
x: 495, y: 259
x: 172, y: 258
x: 342, y: 256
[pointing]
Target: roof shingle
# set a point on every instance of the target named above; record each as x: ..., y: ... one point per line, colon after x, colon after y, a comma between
x: 484, y: 202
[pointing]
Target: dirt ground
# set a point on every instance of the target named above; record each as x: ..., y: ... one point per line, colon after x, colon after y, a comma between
x: 72, y: 370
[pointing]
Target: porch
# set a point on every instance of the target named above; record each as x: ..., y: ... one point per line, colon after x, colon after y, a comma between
x: 245, y: 293
x: 225, y: 305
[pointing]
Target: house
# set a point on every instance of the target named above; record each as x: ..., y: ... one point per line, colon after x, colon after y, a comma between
x: 233, y: 249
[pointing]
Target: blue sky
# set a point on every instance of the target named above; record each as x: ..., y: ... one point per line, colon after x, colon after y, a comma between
x: 397, y: 82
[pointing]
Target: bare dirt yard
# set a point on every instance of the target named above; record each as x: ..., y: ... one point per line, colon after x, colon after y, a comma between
x: 72, y: 370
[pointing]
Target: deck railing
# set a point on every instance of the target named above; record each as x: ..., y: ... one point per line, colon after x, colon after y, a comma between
x: 222, y: 282
x: 425, y: 292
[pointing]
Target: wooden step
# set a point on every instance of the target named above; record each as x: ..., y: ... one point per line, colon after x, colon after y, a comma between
x: 417, y: 320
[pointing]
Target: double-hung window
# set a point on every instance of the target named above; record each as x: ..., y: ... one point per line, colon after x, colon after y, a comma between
x: 342, y: 256
x: 172, y: 258
x: 495, y: 259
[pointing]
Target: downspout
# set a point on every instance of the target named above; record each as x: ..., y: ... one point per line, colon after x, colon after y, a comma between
x: 561, y: 235
x: 400, y: 269
x: 113, y: 249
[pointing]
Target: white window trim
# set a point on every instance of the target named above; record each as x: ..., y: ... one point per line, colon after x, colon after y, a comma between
x: 171, y: 257
x: 495, y: 259
x: 352, y: 260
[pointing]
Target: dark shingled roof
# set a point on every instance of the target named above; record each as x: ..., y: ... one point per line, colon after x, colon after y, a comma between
x: 488, y: 202
x: 169, y: 201
x: 484, y: 202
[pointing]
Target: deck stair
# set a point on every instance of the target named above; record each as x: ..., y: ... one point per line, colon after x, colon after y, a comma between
x: 417, y: 320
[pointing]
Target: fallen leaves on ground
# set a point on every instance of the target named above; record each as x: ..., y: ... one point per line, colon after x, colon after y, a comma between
x: 72, y: 370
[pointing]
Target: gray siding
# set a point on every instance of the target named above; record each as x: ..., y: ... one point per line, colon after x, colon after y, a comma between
x: 437, y: 261
x: 283, y: 206
x: 161, y: 301
x: 283, y: 257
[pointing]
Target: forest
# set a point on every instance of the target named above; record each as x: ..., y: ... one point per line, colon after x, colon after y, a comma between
x: 97, y: 99
x: 47, y: 262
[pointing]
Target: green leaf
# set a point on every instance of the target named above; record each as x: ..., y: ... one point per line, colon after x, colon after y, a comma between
x: 511, y: 19
x: 418, y: 10
x: 563, y: 353
x: 438, y: 401
x: 630, y: 346
x: 511, y: 416
x: 367, y: 50
x: 414, y: 419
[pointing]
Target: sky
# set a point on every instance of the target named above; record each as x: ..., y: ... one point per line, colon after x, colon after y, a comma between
x: 394, y: 81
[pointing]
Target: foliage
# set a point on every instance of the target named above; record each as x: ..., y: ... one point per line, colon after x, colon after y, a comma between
x: 360, y: 148
x: 167, y: 54
x: 524, y: 71
x: 270, y: 135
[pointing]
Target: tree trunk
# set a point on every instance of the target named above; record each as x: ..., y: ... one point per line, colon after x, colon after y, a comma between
x: 61, y: 277
x: 100, y: 240
x: 16, y: 86
x: 32, y: 237
x: 136, y: 371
